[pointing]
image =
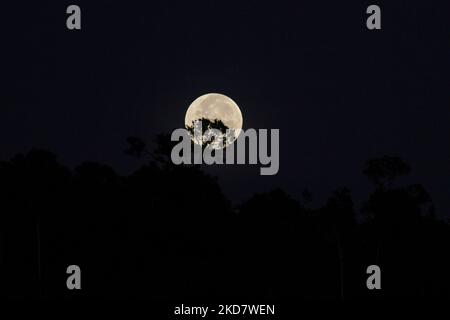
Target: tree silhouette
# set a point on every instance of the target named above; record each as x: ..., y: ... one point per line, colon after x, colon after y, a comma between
x: 383, y: 171
x: 170, y: 228
x: 339, y: 216
x: 200, y: 130
x: 395, y: 213
x: 35, y: 178
x: 136, y: 147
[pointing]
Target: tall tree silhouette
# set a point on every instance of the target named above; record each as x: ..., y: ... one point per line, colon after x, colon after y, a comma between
x: 391, y: 209
x: 339, y: 216
x: 38, y: 179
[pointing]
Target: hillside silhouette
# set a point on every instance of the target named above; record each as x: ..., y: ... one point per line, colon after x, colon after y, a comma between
x: 167, y: 233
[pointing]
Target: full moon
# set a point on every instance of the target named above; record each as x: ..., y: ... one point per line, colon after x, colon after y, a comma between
x: 218, y: 112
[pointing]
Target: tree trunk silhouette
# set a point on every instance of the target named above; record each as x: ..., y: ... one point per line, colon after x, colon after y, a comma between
x: 341, y: 268
x: 38, y: 238
x: 340, y: 252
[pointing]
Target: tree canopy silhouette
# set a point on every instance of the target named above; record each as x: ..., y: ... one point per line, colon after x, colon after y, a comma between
x: 170, y: 228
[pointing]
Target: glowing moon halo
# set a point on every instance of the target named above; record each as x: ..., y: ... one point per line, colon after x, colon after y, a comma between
x: 215, y: 106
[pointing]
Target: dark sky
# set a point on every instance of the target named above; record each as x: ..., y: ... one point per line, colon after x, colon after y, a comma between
x: 338, y: 92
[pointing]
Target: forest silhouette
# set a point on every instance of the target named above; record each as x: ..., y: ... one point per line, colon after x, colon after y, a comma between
x: 168, y: 233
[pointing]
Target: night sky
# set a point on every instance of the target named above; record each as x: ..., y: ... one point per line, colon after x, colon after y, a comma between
x: 339, y: 93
